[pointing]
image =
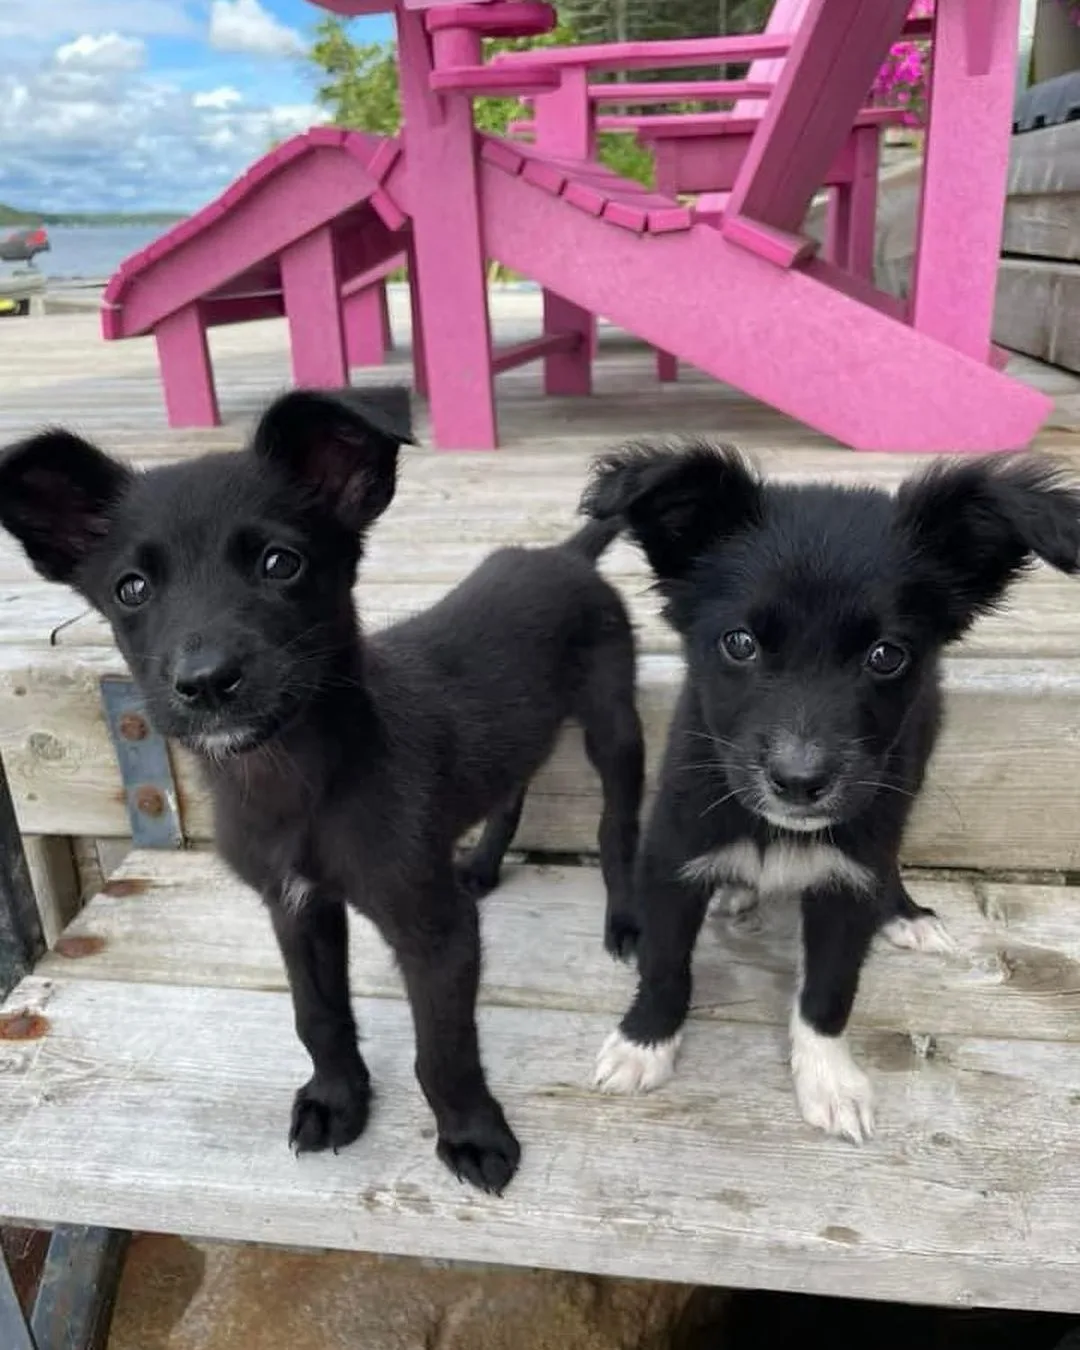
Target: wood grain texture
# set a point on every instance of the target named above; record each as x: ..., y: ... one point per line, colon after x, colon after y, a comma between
x: 999, y: 794
x: 1038, y: 310
x: 163, y: 1108
x: 1043, y: 226
x: 1015, y: 974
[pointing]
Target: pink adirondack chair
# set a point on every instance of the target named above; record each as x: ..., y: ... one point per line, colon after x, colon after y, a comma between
x: 744, y: 297
x: 700, y: 154
x: 749, y: 298
x: 308, y: 232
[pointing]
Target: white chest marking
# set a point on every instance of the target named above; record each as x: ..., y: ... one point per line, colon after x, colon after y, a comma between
x: 785, y: 867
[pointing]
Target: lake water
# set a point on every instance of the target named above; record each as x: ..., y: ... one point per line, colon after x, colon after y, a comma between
x: 96, y: 251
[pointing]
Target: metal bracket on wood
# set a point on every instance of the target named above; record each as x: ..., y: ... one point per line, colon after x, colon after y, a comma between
x: 149, y: 787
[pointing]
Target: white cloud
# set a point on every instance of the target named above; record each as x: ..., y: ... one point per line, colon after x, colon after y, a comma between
x: 110, y: 52
x: 244, y: 26
x: 220, y: 99
x: 37, y: 21
x: 78, y: 137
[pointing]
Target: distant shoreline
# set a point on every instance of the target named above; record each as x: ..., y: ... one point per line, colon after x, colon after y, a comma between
x: 12, y: 218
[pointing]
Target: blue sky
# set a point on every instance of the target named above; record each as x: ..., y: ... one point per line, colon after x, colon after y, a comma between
x: 148, y: 104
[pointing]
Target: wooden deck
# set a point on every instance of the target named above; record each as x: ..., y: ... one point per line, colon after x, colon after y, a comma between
x: 146, y: 1076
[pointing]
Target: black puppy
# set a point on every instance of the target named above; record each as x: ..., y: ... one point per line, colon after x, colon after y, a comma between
x: 345, y: 770
x: 813, y: 619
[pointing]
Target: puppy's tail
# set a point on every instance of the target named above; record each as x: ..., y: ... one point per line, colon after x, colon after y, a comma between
x: 594, y: 537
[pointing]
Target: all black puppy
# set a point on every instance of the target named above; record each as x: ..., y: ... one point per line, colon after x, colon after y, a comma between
x: 813, y: 619
x: 345, y: 770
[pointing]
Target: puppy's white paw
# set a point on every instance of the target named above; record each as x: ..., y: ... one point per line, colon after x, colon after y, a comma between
x: 833, y: 1093
x: 625, y: 1067
x: 924, y: 934
x: 732, y: 901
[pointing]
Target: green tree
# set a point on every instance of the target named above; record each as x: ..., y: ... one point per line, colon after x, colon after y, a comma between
x: 358, y: 86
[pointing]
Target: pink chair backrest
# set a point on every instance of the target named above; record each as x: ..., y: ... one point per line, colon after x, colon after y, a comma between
x: 785, y: 17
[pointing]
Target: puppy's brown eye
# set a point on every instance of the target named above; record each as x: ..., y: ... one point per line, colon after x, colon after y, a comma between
x: 886, y: 658
x: 133, y: 590
x: 739, y: 645
x: 281, y: 564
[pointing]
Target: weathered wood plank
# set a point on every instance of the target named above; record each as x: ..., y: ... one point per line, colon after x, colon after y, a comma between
x: 1046, y: 161
x: 1042, y: 619
x: 1038, y: 310
x: 1043, y: 226
x: 983, y: 808
x: 154, y: 1107
x: 1014, y: 976
x: 55, y: 881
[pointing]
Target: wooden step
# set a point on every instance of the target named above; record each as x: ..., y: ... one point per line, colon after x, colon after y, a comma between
x: 1001, y: 792
x: 147, y: 1068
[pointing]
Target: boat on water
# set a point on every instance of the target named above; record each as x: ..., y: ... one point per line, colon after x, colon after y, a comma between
x: 23, y: 245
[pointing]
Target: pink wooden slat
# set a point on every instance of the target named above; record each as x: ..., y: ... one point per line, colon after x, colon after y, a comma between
x: 780, y: 247
x: 964, y: 177
x: 492, y: 80
x: 626, y: 215
x: 378, y: 273
x: 806, y: 348
x: 666, y: 219
x: 839, y: 47
x: 111, y: 326
x: 313, y: 306
x: 500, y: 19
x: 545, y: 175
x: 494, y: 150
x: 666, y: 54
x: 388, y: 210
x: 585, y: 196
x: 506, y: 358
x: 680, y: 91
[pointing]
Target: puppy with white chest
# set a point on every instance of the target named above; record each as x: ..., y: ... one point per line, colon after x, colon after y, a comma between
x: 345, y: 768
x: 813, y: 620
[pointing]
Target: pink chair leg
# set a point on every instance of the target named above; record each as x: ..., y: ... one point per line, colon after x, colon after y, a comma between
x: 187, y: 376
x: 309, y: 277
x: 667, y: 367
x: 448, y: 263
x: 568, y: 372
x: 565, y: 126
x: 366, y: 326
x: 965, y: 172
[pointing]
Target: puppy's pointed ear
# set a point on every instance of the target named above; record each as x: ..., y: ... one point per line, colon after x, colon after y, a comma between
x: 677, y: 501
x: 972, y: 528
x: 340, y: 448
x: 57, y: 495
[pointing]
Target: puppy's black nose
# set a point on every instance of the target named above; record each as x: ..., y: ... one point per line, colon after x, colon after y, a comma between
x: 799, y: 772
x: 206, y: 678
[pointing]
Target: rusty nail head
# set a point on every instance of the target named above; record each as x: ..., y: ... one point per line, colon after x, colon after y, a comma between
x: 133, y: 727
x: 150, y: 801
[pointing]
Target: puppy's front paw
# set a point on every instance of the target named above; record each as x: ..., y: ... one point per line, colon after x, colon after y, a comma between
x: 621, y: 934
x: 833, y: 1093
x: 482, y: 1151
x: 475, y: 881
x: 624, y: 1066
x: 927, y: 933
x: 329, y: 1113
